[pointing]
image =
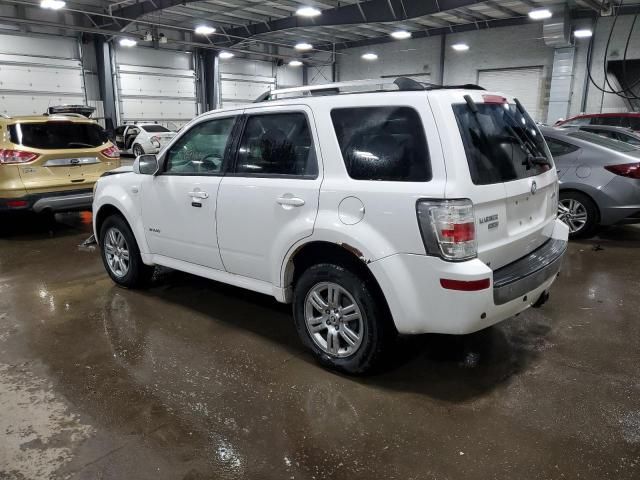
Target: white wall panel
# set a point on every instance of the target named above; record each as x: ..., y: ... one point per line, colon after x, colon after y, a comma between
x: 523, y: 83
x: 31, y: 81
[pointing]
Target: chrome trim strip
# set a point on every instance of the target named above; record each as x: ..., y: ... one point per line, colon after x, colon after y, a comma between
x: 528, y: 273
x: 70, y: 162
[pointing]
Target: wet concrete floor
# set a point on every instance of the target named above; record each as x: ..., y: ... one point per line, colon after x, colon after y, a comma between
x: 197, y: 380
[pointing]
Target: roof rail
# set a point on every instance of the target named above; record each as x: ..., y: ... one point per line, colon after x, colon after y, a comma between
x: 372, y: 85
x: 2, y: 115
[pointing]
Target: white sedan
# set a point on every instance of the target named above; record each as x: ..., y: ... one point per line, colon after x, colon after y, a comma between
x: 141, y: 138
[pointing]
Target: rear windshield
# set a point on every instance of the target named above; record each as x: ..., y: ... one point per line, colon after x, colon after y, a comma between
x: 607, y: 142
x: 382, y: 143
x: 155, y: 129
x: 54, y: 135
x: 501, y: 143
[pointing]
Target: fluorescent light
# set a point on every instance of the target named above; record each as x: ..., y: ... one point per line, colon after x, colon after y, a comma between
x: 225, y: 55
x: 204, y: 30
x: 460, y: 47
x: 295, y: 63
x: 401, y: 35
x: 540, y: 14
x: 52, y: 4
x: 308, y: 12
x: 128, y: 42
x: 303, y: 46
x: 370, y: 56
x: 583, y: 33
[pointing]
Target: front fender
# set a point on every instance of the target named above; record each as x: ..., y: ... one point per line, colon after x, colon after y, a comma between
x: 120, y: 195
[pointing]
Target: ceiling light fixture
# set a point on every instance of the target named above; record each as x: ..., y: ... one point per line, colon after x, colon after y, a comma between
x: 583, y: 33
x: 225, y: 55
x: 308, y: 12
x: 370, y: 56
x: 540, y: 14
x: 128, y: 42
x: 204, y: 30
x: 52, y: 4
x: 460, y: 47
x: 295, y: 63
x: 303, y: 46
x: 401, y: 35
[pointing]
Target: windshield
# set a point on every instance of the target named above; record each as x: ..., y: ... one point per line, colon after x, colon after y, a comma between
x: 607, y: 142
x: 502, y: 144
x: 58, y: 135
x: 155, y: 129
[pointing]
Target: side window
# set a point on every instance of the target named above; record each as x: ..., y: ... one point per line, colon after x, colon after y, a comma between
x: 558, y: 148
x: 634, y: 123
x: 277, y: 144
x: 382, y: 143
x: 200, y: 151
x: 578, y: 121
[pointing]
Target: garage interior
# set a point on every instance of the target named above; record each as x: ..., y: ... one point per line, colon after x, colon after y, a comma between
x: 193, y: 379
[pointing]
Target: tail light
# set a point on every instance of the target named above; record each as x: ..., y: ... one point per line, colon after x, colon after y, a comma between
x: 448, y: 228
x: 155, y: 141
x: 111, y: 152
x: 631, y: 170
x: 16, y: 156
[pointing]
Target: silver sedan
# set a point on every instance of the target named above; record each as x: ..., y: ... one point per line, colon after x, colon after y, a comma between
x: 599, y: 179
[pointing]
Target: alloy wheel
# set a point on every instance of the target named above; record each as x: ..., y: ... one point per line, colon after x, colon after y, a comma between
x: 333, y: 319
x: 116, y: 252
x: 573, y: 213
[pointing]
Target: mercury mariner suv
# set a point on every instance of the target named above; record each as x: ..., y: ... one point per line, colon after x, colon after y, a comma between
x: 413, y: 210
x: 51, y: 162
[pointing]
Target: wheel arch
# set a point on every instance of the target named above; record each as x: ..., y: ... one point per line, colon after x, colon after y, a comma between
x: 319, y: 251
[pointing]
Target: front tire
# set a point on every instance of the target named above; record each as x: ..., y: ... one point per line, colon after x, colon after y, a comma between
x: 580, y: 214
x: 121, y: 256
x: 341, y: 319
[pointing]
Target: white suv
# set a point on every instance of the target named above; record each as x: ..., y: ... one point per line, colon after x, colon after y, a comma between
x: 424, y: 209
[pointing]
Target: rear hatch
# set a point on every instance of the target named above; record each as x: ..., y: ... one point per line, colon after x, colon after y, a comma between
x: 71, y: 154
x: 513, y: 182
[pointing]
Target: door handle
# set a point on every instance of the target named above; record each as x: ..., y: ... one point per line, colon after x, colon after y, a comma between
x: 290, y: 201
x: 198, y: 194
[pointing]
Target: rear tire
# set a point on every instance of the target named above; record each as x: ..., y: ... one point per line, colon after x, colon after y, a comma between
x: 138, y: 150
x: 579, y: 212
x: 341, y: 319
x: 121, y: 255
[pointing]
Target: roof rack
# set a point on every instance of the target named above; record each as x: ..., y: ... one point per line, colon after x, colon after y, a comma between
x: 359, y: 86
x: 2, y: 115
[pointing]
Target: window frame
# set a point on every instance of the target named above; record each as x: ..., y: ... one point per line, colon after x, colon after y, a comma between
x: 429, y: 163
x: 241, y: 128
x: 227, y: 149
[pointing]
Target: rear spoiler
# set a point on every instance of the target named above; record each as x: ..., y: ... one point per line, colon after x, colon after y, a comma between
x: 71, y: 110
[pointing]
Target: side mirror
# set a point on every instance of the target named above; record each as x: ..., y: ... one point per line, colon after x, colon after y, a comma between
x: 146, y: 165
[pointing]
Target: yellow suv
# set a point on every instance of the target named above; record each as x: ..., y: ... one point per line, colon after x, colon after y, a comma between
x: 51, y: 162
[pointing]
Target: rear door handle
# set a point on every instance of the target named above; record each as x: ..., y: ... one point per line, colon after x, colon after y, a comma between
x: 290, y: 201
x: 198, y: 194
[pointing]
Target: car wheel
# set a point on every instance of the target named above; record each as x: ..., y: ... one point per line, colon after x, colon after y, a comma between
x: 121, y: 256
x: 138, y: 150
x: 341, y: 319
x: 579, y: 212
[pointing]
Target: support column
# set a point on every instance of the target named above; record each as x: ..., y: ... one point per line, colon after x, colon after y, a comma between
x: 105, y: 79
x: 210, y: 80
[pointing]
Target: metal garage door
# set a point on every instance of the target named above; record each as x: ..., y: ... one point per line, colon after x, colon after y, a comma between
x: 523, y: 83
x: 30, y: 83
x: 153, y: 87
x: 242, y: 81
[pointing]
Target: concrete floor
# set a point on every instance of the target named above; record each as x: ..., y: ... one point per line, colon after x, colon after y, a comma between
x: 192, y: 379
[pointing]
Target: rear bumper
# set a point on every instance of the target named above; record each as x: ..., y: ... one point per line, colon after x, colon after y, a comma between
x: 620, y: 201
x: 420, y: 304
x: 51, y: 201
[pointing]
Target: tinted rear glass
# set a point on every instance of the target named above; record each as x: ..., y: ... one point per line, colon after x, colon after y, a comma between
x: 155, y: 129
x: 382, y: 143
x: 616, y: 145
x: 634, y: 122
x: 54, y: 135
x: 498, y: 140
